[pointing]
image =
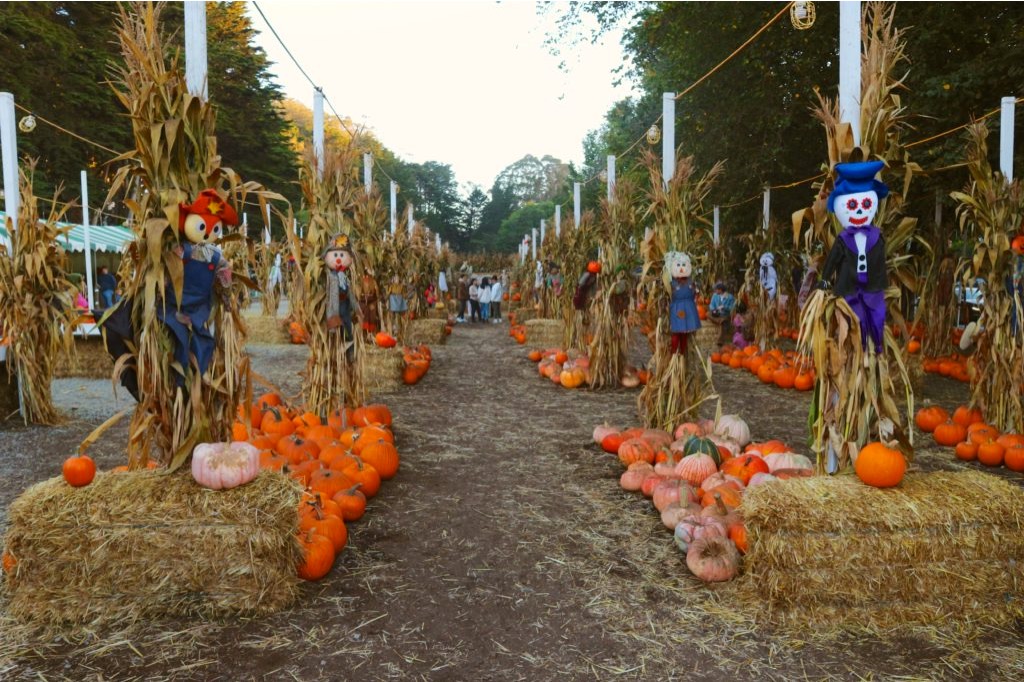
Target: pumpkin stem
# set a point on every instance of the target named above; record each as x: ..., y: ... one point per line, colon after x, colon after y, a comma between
x: 721, y: 505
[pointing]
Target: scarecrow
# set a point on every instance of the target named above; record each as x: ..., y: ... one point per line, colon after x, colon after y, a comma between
x: 855, y: 266
x: 341, y: 304
x: 768, y: 276
x: 683, y: 317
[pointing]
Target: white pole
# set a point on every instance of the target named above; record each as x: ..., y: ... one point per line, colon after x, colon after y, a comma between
x: 1006, y: 137
x: 576, y: 204
x: 611, y: 177
x: 411, y: 221
x: 543, y: 230
x: 394, y: 208
x: 716, y: 231
x: 558, y: 220
x: 849, y: 65
x: 437, y: 243
x: 9, y: 149
x: 533, y: 243
x: 88, y: 242
x: 295, y: 228
x: 766, y: 208
x: 668, y: 136
x: 268, y: 218
x: 195, y: 49
x: 522, y: 253
x: 318, y: 130
x: 367, y: 171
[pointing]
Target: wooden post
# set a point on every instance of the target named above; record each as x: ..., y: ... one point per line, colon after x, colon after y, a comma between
x: 88, y: 242
x: 394, y: 209
x: 367, y: 171
x: 195, y: 49
x: 766, y: 207
x: 318, y: 130
x: 1006, y: 137
x: 668, y: 136
x: 611, y: 178
x: 849, y: 65
x: 9, y: 149
x: 576, y: 204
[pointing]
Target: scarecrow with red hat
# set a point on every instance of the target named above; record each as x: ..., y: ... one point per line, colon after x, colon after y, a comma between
x: 341, y: 303
x: 201, y: 223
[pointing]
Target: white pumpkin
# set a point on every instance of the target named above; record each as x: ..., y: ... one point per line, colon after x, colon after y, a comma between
x: 759, y: 478
x: 221, y: 466
x: 787, y: 460
x: 731, y: 426
x: 603, y: 431
x: 725, y: 442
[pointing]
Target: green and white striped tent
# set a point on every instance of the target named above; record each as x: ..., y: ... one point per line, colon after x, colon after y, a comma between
x: 106, y: 238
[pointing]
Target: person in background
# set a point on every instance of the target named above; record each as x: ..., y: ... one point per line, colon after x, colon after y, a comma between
x: 474, y: 301
x: 739, y: 323
x: 720, y: 312
x: 496, y: 294
x: 485, y: 299
x: 108, y: 285
x: 81, y: 301
x: 463, y: 298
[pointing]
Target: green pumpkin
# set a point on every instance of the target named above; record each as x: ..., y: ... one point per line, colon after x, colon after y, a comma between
x: 706, y: 446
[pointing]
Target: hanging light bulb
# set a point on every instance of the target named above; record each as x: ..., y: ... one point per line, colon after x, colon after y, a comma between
x: 603, y: 176
x: 801, y: 14
x: 27, y: 124
x: 653, y: 134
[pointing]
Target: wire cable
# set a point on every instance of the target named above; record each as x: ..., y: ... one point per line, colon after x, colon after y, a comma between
x: 69, y: 132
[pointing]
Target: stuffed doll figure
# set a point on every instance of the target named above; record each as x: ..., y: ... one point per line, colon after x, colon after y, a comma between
x: 201, y: 223
x: 683, y: 317
x: 768, y: 276
x: 338, y: 258
x: 855, y: 267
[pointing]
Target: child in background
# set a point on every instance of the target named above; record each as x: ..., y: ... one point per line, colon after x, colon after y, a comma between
x: 485, y: 299
x: 738, y: 325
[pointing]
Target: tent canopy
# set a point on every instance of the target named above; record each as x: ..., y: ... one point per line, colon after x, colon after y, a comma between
x: 107, y: 238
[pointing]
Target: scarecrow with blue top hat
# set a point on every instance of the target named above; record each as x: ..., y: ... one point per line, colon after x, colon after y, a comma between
x: 855, y: 267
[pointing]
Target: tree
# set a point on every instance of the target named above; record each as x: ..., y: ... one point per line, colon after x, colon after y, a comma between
x: 521, y: 222
x: 533, y: 179
x: 473, y: 210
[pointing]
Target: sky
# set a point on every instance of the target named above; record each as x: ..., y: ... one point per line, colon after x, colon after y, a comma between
x: 466, y: 83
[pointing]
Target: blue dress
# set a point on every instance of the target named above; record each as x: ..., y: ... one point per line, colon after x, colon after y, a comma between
x: 196, y: 302
x: 683, y: 317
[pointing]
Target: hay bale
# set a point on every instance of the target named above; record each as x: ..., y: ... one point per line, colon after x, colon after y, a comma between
x: 266, y: 329
x: 428, y: 331
x: 436, y: 313
x: 706, y: 337
x: 142, y: 544
x: 90, y: 360
x: 942, y: 547
x: 524, y: 315
x: 382, y: 369
x: 545, y: 333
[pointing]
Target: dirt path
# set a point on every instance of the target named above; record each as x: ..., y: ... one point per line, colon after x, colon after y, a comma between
x: 503, y: 550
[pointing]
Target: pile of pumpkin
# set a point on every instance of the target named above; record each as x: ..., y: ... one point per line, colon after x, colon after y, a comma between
x: 785, y: 369
x: 574, y: 371
x: 517, y: 331
x: 954, y: 366
x: 971, y: 438
x: 417, y: 362
x: 696, y: 478
x: 340, y: 462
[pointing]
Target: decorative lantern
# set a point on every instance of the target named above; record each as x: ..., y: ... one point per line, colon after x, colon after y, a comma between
x: 27, y: 124
x: 801, y: 15
x: 653, y: 134
x: 603, y: 175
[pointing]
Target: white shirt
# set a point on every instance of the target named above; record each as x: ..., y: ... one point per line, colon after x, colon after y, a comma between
x: 496, y: 292
x: 485, y: 294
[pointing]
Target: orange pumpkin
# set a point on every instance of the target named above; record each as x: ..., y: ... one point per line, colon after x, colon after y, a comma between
x: 804, y: 381
x: 990, y: 453
x: 965, y: 416
x: 79, y: 470
x: 297, y: 449
x: 1013, y: 457
x: 1008, y: 440
x: 366, y: 476
x: 636, y: 450
x: 340, y: 419
x: 880, y: 466
x: 372, y: 415
x: 317, y: 556
x: 744, y: 467
x: 535, y: 355
x: 980, y: 433
x: 738, y: 534
x: 949, y: 433
x: 382, y: 456
x: 352, y: 503
x: 785, y: 377
x: 329, y: 481
x: 967, y: 451
x: 927, y: 418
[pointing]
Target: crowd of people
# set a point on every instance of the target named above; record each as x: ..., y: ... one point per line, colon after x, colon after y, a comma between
x: 480, y: 298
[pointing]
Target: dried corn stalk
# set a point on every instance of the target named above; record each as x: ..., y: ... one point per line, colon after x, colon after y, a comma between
x: 854, y: 396
x: 175, y: 157
x: 37, y: 312
x: 991, y: 212
x: 334, y: 370
x: 576, y: 244
x: 264, y: 257
x: 679, y: 383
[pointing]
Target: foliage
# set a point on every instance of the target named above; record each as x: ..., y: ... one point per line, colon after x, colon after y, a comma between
x: 37, y: 311
x: 521, y: 222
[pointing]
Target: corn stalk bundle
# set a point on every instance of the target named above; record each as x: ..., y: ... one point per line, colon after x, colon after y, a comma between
x: 175, y: 156
x: 990, y: 212
x: 264, y: 257
x: 764, y: 312
x: 576, y: 245
x: 422, y: 270
x: 396, y: 277
x: 854, y: 395
x: 369, y: 225
x: 37, y: 312
x: 679, y: 383
x: 936, y: 312
x: 616, y: 227
x: 334, y: 370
